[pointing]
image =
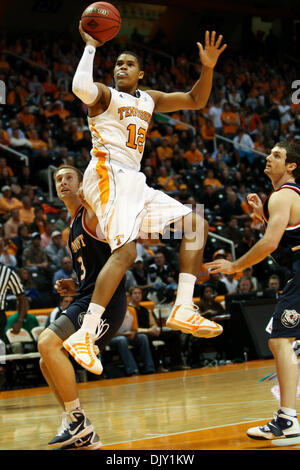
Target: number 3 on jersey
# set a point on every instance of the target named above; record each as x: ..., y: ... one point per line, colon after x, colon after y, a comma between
x: 82, y: 268
x: 136, y: 139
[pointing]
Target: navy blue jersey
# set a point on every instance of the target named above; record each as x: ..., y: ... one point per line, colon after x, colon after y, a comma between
x: 89, y: 254
x: 284, y: 254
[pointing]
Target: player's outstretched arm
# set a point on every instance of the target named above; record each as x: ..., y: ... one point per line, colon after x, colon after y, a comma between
x: 198, y: 96
x: 83, y: 85
x: 279, y: 212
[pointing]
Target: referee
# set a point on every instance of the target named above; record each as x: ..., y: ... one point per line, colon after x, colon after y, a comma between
x: 9, y: 280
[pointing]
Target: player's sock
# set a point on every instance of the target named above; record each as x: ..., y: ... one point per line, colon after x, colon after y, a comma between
x: 72, y: 405
x: 92, y: 317
x: 288, y: 411
x: 185, y: 290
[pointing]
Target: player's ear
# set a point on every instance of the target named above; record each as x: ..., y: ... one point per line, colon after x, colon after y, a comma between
x: 141, y: 74
x: 292, y: 166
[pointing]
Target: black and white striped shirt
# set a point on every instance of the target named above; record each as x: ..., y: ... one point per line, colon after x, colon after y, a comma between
x: 9, y: 280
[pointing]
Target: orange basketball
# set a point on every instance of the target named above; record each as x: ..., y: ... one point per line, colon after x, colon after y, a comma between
x: 101, y: 20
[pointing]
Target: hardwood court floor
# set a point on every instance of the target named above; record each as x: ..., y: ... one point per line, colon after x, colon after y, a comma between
x: 199, y: 409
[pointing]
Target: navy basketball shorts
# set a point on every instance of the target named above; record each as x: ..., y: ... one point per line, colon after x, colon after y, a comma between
x: 71, y: 319
x: 286, y: 318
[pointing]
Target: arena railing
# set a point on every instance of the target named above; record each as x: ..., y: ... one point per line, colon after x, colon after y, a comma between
x: 50, y: 170
x: 18, y: 154
x: 224, y: 240
x: 225, y: 139
x: 155, y: 51
x: 28, y: 61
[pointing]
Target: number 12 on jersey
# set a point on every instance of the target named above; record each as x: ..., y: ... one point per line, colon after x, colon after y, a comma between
x: 136, y: 139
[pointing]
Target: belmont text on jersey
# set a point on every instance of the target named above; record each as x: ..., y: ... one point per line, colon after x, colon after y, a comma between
x: 77, y: 243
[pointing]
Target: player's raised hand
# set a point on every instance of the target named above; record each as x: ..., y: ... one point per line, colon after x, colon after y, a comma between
x: 89, y: 40
x: 210, y: 53
x: 255, y: 202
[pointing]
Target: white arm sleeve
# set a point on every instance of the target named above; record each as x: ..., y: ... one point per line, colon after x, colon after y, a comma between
x: 83, y: 85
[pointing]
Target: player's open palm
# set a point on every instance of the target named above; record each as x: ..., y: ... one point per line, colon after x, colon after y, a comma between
x: 210, y: 53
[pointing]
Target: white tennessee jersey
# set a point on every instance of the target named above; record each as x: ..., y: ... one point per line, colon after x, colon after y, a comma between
x: 119, y: 133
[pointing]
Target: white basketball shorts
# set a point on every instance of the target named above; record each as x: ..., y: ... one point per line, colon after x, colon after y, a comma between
x: 125, y: 205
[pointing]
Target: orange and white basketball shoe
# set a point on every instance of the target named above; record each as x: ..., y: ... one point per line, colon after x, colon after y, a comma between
x: 81, y: 346
x: 187, y: 319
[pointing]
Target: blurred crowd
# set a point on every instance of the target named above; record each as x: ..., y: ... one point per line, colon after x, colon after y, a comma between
x: 195, y: 156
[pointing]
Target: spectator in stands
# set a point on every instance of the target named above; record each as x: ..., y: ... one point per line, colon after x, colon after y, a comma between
x: 245, y: 286
x: 208, y: 133
x: 231, y: 230
x: 148, y: 325
x: 29, y: 320
x: 36, y: 142
x: 248, y: 272
x: 235, y: 98
x: 274, y: 282
x: 214, y: 113
x: 221, y: 155
x: 20, y: 242
x: 6, y: 258
x: 12, y: 224
x: 164, y: 150
x: 65, y: 272
x: 56, y: 250
x: 284, y: 113
x: 128, y: 335
x: 5, y: 167
x: 230, y: 121
x: 26, y: 213
x: 167, y: 183
x: 230, y: 282
x: 46, y: 237
x: 34, y: 257
x: 30, y: 289
x: 26, y: 178
x: 64, y: 303
x: 215, y: 282
x: 21, y: 144
x: 193, y: 154
x: 249, y: 239
x: 139, y: 272
x: 242, y: 138
x: 161, y: 277
x: 210, y: 198
x: 207, y: 305
x: 62, y: 221
x: 8, y: 202
x: 38, y: 224
x: 211, y: 180
x: 232, y: 207
x: 184, y: 193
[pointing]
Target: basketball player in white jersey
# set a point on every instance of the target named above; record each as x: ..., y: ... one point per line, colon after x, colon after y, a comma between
x: 116, y: 190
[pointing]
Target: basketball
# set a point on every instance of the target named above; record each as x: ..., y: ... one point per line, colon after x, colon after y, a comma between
x: 101, y: 20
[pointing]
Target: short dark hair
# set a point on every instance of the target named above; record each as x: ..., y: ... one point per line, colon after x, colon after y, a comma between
x: 134, y: 54
x: 70, y: 167
x: 292, y: 155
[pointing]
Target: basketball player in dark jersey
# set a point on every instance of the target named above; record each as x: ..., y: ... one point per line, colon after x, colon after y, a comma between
x: 281, y: 213
x: 89, y: 253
